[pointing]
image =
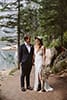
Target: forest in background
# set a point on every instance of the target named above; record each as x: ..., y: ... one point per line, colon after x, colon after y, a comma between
x: 47, y: 18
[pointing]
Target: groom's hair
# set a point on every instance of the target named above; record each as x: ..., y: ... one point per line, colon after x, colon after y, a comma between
x: 26, y: 36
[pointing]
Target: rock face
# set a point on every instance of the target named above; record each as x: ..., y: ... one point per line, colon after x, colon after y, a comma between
x: 60, y: 62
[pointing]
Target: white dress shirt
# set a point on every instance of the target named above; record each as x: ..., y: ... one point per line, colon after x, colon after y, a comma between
x: 28, y: 47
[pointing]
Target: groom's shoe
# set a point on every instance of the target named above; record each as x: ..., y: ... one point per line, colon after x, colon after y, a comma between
x: 23, y: 89
x: 29, y: 88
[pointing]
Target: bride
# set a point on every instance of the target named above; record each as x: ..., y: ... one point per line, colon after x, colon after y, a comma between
x: 38, y: 58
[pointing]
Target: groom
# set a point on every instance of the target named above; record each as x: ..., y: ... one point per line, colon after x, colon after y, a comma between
x: 26, y: 60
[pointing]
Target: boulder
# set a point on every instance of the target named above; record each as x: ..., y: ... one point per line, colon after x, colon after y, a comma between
x: 60, y: 62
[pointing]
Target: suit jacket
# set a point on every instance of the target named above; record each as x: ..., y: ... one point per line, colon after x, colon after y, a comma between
x: 24, y: 55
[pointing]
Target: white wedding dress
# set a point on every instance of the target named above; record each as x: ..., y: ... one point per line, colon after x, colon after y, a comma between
x: 38, y: 64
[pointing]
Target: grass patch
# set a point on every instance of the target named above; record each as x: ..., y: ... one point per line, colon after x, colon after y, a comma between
x: 13, y: 71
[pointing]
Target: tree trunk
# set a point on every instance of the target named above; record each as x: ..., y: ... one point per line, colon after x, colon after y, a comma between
x: 18, y: 30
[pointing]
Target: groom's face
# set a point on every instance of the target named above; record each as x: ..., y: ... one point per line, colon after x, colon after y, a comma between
x: 28, y: 40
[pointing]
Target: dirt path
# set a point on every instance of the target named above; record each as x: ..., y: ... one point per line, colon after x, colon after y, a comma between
x: 10, y: 88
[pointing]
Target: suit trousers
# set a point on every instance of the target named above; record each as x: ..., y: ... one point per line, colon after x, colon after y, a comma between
x: 25, y: 72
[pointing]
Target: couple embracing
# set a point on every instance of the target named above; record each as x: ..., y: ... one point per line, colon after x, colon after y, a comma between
x: 29, y: 54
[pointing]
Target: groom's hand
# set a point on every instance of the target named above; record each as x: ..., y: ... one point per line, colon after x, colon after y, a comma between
x: 18, y: 66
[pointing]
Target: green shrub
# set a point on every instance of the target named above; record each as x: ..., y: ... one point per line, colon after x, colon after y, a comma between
x: 61, y: 65
x: 65, y: 40
x: 55, y: 42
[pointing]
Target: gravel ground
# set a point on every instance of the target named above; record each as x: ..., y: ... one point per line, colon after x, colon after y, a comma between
x: 10, y: 88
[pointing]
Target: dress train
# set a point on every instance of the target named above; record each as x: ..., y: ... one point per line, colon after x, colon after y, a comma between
x: 47, y: 87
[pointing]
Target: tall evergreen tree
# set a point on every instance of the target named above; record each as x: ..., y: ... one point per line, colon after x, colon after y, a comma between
x: 53, y: 17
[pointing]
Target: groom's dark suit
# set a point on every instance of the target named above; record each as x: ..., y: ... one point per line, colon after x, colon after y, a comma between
x: 25, y: 58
